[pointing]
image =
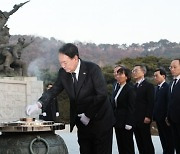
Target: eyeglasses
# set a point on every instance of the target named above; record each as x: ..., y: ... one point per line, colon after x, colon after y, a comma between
x: 172, y: 67
x: 135, y: 70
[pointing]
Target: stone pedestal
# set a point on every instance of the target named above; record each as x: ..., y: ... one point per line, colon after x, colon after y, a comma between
x: 15, y: 94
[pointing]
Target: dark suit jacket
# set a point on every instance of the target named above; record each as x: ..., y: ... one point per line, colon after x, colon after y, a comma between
x: 112, y: 94
x: 144, y: 101
x: 91, y: 97
x: 124, y: 112
x: 51, y: 110
x: 161, y: 103
x: 174, y: 103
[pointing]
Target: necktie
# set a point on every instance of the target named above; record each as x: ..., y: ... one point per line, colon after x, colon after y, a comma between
x: 74, y: 81
x: 173, y: 84
x: 157, y: 91
x: 136, y: 85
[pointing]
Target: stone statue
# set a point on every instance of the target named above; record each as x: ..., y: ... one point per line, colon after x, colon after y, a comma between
x: 4, y: 35
x: 4, y: 16
x: 10, y: 55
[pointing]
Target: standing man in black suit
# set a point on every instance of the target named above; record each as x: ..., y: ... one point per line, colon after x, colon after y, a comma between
x: 51, y: 112
x: 160, y: 111
x: 144, y: 103
x: 174, y: 103
x: 90, y: 108
x: 124, y: 103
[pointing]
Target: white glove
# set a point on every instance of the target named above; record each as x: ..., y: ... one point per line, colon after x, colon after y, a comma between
x: 57, y: 114
x: 44, y: 114
x: 128, y: 127
x: 85, y: 120
x: 32, y: 108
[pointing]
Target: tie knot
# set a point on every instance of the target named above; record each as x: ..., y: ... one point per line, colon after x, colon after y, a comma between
x: 117, y: 85
x: 137, y: 85
x: 175, y: 80
x: 74, y: 75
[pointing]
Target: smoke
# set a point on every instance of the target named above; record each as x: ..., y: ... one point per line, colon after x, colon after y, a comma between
x: 35, y: 67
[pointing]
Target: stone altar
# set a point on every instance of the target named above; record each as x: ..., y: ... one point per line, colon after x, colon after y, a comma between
x: 15, y: 94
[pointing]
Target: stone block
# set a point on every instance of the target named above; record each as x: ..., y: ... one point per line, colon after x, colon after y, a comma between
x: 15, y: 94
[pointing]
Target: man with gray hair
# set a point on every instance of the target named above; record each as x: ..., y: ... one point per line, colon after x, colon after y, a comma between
x: 144, y: 103
x: 174, y: 103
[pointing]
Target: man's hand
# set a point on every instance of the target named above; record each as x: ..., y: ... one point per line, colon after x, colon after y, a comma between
x: 128, y: 127
x: 44, y: 114
x: 147, y: 120
x: 57, y: 114
x: 85, y: 120
x: 33, y: 108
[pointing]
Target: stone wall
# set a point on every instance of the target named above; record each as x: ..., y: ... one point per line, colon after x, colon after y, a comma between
x: 15, y: 94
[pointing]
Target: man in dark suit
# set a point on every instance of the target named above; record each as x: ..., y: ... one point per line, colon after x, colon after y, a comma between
x: 51, y: 112
x: 160, y: 111
x: 174, y: 103
x: 90, y: 108
x: 144, y: 103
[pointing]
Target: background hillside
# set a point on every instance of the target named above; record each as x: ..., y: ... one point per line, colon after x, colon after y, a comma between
x: 43, y: 52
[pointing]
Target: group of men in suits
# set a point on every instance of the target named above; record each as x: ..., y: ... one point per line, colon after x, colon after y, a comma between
x: 167, y: 108
x: 92, y: 112
x: 139, y: 108
x: 160, y: 103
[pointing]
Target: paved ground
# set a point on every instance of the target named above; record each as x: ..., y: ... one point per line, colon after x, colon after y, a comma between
x: 73, y: 147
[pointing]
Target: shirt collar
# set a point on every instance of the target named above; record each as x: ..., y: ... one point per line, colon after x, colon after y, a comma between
x: 77, y: 68
x: 178, y: 77
x: 140, y: 81
x: 160, y: 85
x: 122, y: 85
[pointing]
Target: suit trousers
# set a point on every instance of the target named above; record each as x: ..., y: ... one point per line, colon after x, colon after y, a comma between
x: 166, y: 137
x: 93, y: 142
x: 176, y: 135
x: 125, y: 141
x: 143, y: 139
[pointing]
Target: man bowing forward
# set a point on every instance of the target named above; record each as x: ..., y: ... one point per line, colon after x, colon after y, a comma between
x: 90, y: 109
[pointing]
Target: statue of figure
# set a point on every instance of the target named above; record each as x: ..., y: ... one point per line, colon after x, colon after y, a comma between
x: 4, y: 35
x: 10, y: 56
x: 4, y: 16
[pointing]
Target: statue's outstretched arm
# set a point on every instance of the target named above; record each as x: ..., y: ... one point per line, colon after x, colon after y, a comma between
x: 27, y: 44
x: 16, y: 7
